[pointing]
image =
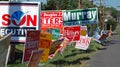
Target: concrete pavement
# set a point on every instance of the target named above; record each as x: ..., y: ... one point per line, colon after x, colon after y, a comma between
x: 110, y: 57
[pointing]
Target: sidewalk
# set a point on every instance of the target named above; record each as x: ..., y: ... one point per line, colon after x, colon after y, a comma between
x: 110, y: 57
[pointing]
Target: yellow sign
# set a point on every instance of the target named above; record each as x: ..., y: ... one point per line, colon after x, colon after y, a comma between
x: 46, y: 36
x: 45, y: 42
x: 83, y: 31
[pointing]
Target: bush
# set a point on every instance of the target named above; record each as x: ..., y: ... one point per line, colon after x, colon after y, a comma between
x: 112, y: 23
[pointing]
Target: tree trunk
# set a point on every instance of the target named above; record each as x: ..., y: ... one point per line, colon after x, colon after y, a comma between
x: 79, y: 4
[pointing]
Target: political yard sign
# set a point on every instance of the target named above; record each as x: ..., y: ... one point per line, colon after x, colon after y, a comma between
x: 51, y: 19
x: 83, y: 43
x: 18, y: 18
x: 32, y: 42
x: 45, y: 43
x: 80, y: 16
x: 72, y: 32
x: 55, y: 33
x: 83, y: 31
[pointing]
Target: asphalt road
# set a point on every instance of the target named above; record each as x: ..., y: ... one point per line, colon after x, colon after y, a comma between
x: 109, y: 57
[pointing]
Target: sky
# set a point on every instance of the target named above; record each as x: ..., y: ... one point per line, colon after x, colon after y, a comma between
x: 109, y: 3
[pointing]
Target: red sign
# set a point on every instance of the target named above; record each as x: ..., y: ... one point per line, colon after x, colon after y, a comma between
x: 72, y: 32
x: 35, y: 58
x: 51, y: 20
x: 32, y: 42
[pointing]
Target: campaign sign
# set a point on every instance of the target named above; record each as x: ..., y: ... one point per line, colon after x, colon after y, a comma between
x: 45, y: 43
x: 35, y: 58
x: 83, y: 31
x: 18, y: 18
x: 4, y: 45
x: 80, y: 16
x: 83, y: 43
x: 55, y: 33
x: 72, y: 32
x: 32, y: 42
x: 51, y: 19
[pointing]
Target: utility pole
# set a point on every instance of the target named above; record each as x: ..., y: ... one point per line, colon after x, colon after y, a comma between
x: 101, y: 15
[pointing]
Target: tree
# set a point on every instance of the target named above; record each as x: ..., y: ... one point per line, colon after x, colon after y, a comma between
x: 66, y: 4
x: 112, y: 23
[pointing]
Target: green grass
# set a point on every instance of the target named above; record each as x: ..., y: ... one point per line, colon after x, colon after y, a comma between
x: 72, y: 57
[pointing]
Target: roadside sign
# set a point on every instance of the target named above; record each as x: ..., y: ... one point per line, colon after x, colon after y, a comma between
x: 72, y: 32
x: 35, y: 58
x: 51, y: 19
x: 32, y: 42
x: 80, y: 16
x: 83, y: 43
x: 45, y: 43
x: 18, y: 17
x: 83, y: 31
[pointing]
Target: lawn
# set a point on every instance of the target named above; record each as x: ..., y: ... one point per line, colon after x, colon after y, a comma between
x: 72, y: 57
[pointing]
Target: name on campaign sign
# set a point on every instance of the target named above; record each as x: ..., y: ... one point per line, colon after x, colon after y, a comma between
x: 18, y: 18
x: 51, y: 19
x: 80, y: 16
x: 72, y: 32
x: 32, y: 42
x: 83, y: 43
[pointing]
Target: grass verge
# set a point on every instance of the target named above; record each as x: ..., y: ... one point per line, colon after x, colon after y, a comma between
x: 72, y: 57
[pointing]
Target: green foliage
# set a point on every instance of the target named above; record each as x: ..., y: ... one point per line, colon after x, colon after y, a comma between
x: 60, y: 4
x: 65, y: 4
x: 112, y: 23
x: 115, y: 13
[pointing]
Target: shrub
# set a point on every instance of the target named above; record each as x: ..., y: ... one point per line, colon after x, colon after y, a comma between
x: 112, y: 23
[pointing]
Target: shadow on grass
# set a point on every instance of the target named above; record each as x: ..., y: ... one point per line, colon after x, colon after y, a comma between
x: 64, y: 62
x: 76, y: 52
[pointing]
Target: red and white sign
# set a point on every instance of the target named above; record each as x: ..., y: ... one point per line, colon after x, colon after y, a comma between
x: 83, y: 43
x: 51, y: 19
x: 72, y: 32
x: 18, y: 18
x: 32, y: 42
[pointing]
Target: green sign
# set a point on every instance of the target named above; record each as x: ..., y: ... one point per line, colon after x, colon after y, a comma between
x: 55, y: 33
x: 80, y: 16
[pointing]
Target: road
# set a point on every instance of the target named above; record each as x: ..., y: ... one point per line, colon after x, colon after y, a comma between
x: 109, y: 57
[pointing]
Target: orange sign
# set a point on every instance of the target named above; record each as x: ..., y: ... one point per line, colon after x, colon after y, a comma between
x: 45, y: 41
x: 51, y: 20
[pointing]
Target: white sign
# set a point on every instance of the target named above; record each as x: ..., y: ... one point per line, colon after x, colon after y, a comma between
x: 18, y: 18
x: 4, y: 45
x: 83, y: 43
